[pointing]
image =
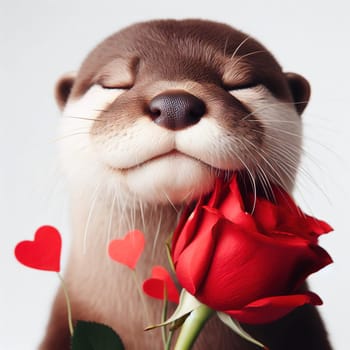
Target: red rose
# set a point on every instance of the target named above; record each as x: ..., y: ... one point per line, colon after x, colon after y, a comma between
x: 248, y: 265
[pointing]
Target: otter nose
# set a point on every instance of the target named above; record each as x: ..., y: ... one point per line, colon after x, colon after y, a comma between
x: 176, y: 109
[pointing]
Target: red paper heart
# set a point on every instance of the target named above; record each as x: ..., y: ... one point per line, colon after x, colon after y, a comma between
x: 128, y: 250
x: 154, y: 286
x: 44, y: 252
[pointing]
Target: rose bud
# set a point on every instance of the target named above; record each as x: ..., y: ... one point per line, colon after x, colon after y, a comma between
x: 248, y: 257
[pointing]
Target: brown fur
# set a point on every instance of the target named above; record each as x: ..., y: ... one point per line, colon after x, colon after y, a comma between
x: 205, y: 59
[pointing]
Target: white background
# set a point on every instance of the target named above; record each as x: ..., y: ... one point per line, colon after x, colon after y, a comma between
x: 41, y: 39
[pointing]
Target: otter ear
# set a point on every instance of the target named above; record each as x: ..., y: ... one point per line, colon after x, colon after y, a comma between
x: 300, y: 89
x: 63, y: 88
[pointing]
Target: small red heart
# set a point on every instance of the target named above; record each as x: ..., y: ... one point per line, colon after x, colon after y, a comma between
x: 128, y: 250
x: 154, y: 286
x: 44, y: 252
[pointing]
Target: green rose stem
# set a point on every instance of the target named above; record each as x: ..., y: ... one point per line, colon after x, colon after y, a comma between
x: 170, y: 338
x: 69, y: 309
x: 164, y: 316
x: 167, y: 338
x: 192, y: 327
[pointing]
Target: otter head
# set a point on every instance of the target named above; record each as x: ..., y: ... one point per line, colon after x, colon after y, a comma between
x: 161, y: 108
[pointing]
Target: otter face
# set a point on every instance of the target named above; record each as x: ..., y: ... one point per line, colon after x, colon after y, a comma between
x: 161, y: 108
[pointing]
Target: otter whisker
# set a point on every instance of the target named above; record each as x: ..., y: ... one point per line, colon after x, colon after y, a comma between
x: 240, y: 58
x: 111, y: 212
x: 81, y: 118
x: 89, y: 216
x: 188, y: 197
x: 143, y: 221
x: 260, y: 171
x: 157, y: 233
x: 251, y: 177
x: 122, y: 209
x: 266, y: 106
x: 286, y: 132
x: 293, y: 165
x: 265, y: 182
x: 239, y: 46
x: 133, y: 213
x: 61, y: 138
x: 273, y: 104
x: 279, y: 180
x: 169, y: 200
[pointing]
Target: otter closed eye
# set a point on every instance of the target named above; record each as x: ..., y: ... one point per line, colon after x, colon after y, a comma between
x: 119, y: 73
x: 242, y: 86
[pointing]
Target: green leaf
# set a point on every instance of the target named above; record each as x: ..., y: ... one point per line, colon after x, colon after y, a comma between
x: 236, y: 327
x: 95, y: 336
x: 187, y: 304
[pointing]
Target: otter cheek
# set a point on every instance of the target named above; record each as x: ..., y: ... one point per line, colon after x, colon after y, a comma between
x: 176, y: 179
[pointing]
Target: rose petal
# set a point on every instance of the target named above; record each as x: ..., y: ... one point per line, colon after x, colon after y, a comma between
x: 318, y: 226
x: 183, y: 234
x: 192, y: 267
x: 292, y: 218
x: 284, y: 200
x: 270, y: 309
x: 201, y: 219
x: 232, y: 205
x: 265, y: 215
x: 217, y: 193
x: 185, y: 217
x: 247, y: 265
x: 314, y: 260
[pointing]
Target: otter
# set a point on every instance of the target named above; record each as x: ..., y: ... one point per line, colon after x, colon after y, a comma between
x: 155, y: 113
